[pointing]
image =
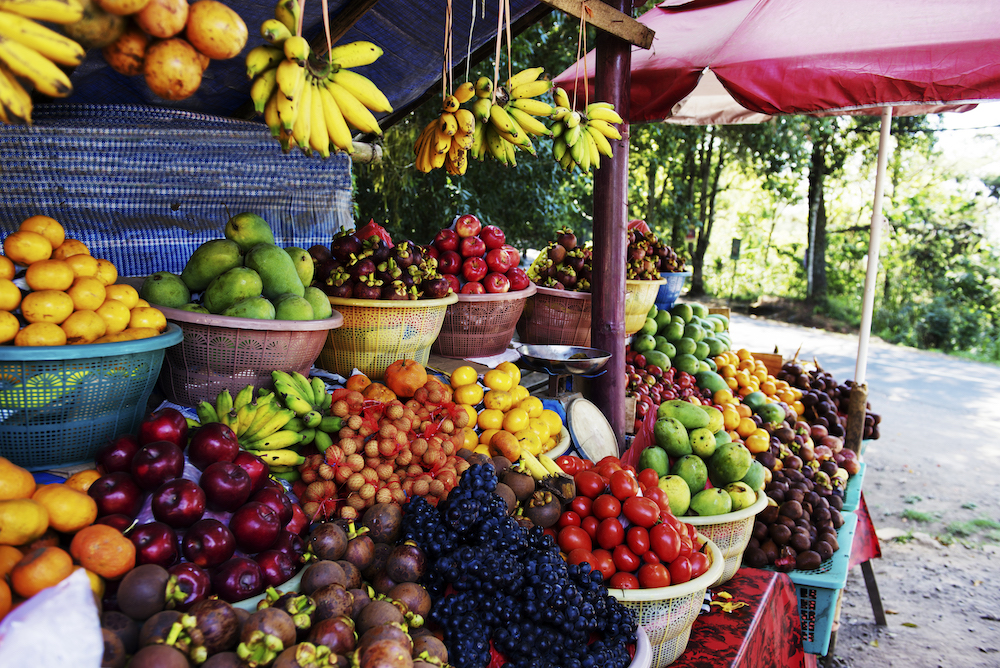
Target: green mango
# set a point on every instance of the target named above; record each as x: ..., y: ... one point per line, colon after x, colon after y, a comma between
x: 712, y: 501
x: 698, y: 310
x: 756, y: 476
x: 678, y: 493
x: 742, y: 494
x: 771, y: 413
x: 693, y: 470
x: 673, y: 332
x: 649, y: 327
x: 276, y: 269
x: 722, y: 437
x: 711, y: 381
x: 662, y: 320
x: 716, y: 346
x: 257, y: 308
x: 304, y: 265
x: 755, y: 400
x: 643, y: 343
x: 671, y: 435
x: 702, y: 442
x: 683, y: 310
x: 248, y: 230
x: 191, y: 307
x: 659, y: 359
x: 653, y: 457
x: 686, y: 363
x: 693, y: 330
x: 666, y: 348
x: 730, y: 463
x: 209, y: 260
x: 231, y: 287
x: 292, y: 307
x: 165, y: 289
x: 689, y: 415
x: 320, y: 303
x: 701, y: 350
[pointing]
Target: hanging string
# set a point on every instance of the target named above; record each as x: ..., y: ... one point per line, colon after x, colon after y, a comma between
x: 581, y: 53
x: 472, y: 30
x: 510, y: 72
x: 496, y: 55
x: 446, y: 73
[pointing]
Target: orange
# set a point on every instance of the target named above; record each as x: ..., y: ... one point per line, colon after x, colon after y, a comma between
x: 533, y: 406
x: 377, y: 392
x: 405, y: 376
x: 87, y: 293
x: 540, y: 427
x: 511, y: 370
x: 518, y: 393
x: 723, y: 396
x: 358, y: 382
x: 498, y: 399
x: 96, y: 581
x: 123, y: 293
x: 758, y: 441
x: 84, y: 327
x: 529, y: 441
x: 746, y: 427
x: 471, y: 412
x: 82, y: 265
x: 15, y: 482
x: 515, y: 420
x: 5, y: 599
x: 141, y: 302
x: 498, y: 380
x: 40, y: 334
x: 743, y: 354
x: 49, y: 275
x: 26, y: 247
x: 490, y: 418
x: 9, y: 326
x: 103, y: 550
x: 50, y: 228
x: 22, y: 521
x: 52, y: 306
x: 115, y: 315
x: 7, y: 269
x: 41, y: 568
x: 743, y: 410
x: 470, y: 395
x: 9, y: 556
x: 471, y: 440
x: 69, y: 510
x: 107, y: 273
x: 463, y: 375
x: 82, y: 480
x: 10, y: 295
x: 147, y: 316
x: 487, y: 435
x: 553, y: 420
x: 70, y: 247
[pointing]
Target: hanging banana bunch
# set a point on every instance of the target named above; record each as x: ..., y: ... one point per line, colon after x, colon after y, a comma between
x: 446, y: 140
x: 509, y: 115
x: 579, y: 140
x: 32, y: 53
x: 308, y: 101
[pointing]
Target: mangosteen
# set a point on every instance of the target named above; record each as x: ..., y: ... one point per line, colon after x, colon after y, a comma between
x: 501, y: 464
x: 808, y: 561
x: 382, y: 583
x: 343, y: 291
x: 394, y: 632
x: 791, y: 508
x: 337, y: 633
x: 430, y: 645
x: 755, y: 557
x: 332, y: 600
x: 159, y: 656
x: 319, y: 253
x: 779, y: 533
x: 566, y: 238
x: 387, y: 652
x: 379, y: 557
x: 522, y: 484
x: 328, y: 541
x: 352, y: 573
x: 507, y: 494
x: 367, y: 288
x: 557, y: 254
x: 384, y: 522
x: 407, y: 562
x: 436, y: 288
x: 320, y: 574
x: 344, y: 245
x: 264, y: 635
x: 126, y: 628
x: 225, y: 660
x: 413, y: 596
x: 114, y: 652
x: 217, y: 625
x: 375, y: 614
x: 361, y: 599
x: 155, y: 630
x: 304, y: 655
x: 142, y: 592
x: 543, y: 509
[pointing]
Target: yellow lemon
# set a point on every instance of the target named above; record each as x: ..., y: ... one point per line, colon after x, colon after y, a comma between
x: 533, y: 406
x: 553, y: 420
x: 518, y: 393
x: 70, y: 247
x: 26, y: 247
x: 87, y: 293
x: 540, y: 427
x: 50, y: 228
x: 7, y: 269
x: 107, y: 273
x: 490, y: 418
x: 515, y: 420
x: 498, y: 380
x: 82, y: 265
x: 468, y: 394
x: 497, y: 399
x: 123, y: 293
x: 115, y: 315
x: 487, y: 434
x: 46, y: 306
x: 8, y: 326
x: 84, y: 327
x: 41, y: 334
x: 49, y: 275
x: 10, y: 295
x: 511, y: 370
x: 463, y: 375
x: 147, y: 316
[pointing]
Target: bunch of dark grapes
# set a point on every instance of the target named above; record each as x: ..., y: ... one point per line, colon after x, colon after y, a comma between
x: 826, y: 400
x: 497, y: 583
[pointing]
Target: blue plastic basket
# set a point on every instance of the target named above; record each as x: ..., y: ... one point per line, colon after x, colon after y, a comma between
x: 60, y: 404
x: 670, y: 291
x: 852, y: 494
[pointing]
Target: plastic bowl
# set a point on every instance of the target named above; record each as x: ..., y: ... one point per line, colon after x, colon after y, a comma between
x: 639, y: 298
x: 668, y: 293
x: 730, y: 532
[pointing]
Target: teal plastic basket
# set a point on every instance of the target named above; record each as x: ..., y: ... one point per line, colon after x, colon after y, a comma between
x: 852, y: 493
x: 60, y: 404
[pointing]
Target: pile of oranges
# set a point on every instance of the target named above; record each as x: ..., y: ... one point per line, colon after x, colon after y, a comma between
x: 72, y: 297
x: 47, y: 532
x: 508, y: 417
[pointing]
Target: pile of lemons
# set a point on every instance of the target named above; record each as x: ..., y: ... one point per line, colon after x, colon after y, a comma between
x: 71, y: 297
x: 509, y: 418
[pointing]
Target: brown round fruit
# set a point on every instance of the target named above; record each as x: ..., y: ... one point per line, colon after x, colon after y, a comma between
x: 172, y: 69
x: 97, y: 28
x: 127, y: 54
x: 163, y: 18
x: 122, y: 7
x: 216, y: 30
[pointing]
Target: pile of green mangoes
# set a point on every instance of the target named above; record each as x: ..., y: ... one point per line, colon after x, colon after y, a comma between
x: 692, y: 448
x: 686, y: 337
x: 244, y: 275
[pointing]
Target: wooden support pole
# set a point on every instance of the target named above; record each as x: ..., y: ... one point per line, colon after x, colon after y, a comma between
x: 856, y: 406
x: 608, y: 19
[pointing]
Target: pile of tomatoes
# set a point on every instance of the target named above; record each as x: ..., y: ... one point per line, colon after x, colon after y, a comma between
x: 620, y: 523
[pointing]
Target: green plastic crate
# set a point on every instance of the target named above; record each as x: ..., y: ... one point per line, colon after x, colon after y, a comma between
x: 852, y: 493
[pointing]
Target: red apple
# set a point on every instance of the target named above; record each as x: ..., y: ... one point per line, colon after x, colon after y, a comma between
x: 116, y: 493
x: 453, y: 282
x: 155, y: 543
x: 518, y: 278
x: 492, y: 236
x: 213, y: 442
x: 299, y: 521
x: 277, y: 567
x: 208, y: 543
x: 237, y: 579
x: 446, y: 240
x: 291, y: 544
x: 499, y: 260
x: 472, y: 247
x: 514, y: 254
x: 449, y: 262
x: 473, y: 288
x: 156, y: 463
x: 474, y: 268
x: 166, y: 424
x: 117, y: 454
x: 227, y: 486
x: 279, y: 502
x: 179, y: 503
x: 255, y: 526
x: 192, y: 581
x: 255, y: 466
x: 467, y: 225
x: 496, y: 283
x: 430, y: 251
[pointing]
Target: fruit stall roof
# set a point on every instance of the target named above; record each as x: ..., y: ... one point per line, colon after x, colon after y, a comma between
x: 411, y: 33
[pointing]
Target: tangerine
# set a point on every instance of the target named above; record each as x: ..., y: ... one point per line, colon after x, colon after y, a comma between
x: 69, y: 510
x: 82, y: 480
x: 87, y: 293
x: 9, y: 326
x: 469, y: 395
x: 107, y: 273
x: 70, y: 247
x: 510, y: 369
x: 462, y: 376
x: 147, y: 316
x: 533, y: 406
x: 115, y: 315
x: 358, y: 382
x: 490, y: 418
x: 10, y: 295
x: 7, y: 269
x: 404, y: 377
x: 16, y: 482
x: 26, y: 247
x: 498, y: 380
x: 50, y: 228
x: 123, y: 293
x: 141, y: 302
x: 515, y: 420
x: 104, y: 550
x: 518, y: 393
x: 471, y: 439
x: 49, y: 275
x: 52, y: 306
x: 553, y: 420
x: 498, y: 399
x: 82, y: 265
x: 5, y: 599
x: 378, y: 392
x: 39, y: 569
x: 487, y: 435
x: 84, y: 327
x: 22, y: 521
x: 40, y: 334
x: 9, y: 556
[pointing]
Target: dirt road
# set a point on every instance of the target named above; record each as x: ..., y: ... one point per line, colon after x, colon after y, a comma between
x: 932, y: 489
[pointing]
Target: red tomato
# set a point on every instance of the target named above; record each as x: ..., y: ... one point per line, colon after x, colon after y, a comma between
x: 610, y: 533
x: 571, y: 538
x: 687, y: 547
x: 659, y: 497
x: 605, y: 563
x: 650, y: 557
x: 590, y: 484
x: 609, y: 459
x: 581, y: 505
x: 699, y: 564
x: 630, y: 469
x: 623, y: 581
x: 637, y: 539
x: 607, y: 469
x: 569, y: 464
x: 549, y: 531
x: 625, y: 559
x: 623, y: 485
x: 590, y: 524
x: 648, y: 478
x: 569, y: 519
x: 665, y: 542
x: 606, y: 506
x: 680, y: 570
x: 641, y: 511
x: 653, y: 575
x: 580, y: 555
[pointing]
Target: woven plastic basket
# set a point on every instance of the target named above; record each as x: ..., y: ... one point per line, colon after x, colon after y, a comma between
x: 668, y: 293
x: 226, y: 353
x: 559, y: 317
x: 376, y: 333
x: 731, y: 533
x: 667, y: 613
x: 480, y: 325
x: 639, y: 298
x: 60, y: 404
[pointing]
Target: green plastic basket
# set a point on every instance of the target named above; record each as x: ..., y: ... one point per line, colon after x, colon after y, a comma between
x: 852, y: 493
x: 60, y: 404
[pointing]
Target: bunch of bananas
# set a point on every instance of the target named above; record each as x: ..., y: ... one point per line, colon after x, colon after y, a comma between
x: 446, y: 140
x: 579, y: 140
x: 509, y: 117
x: 310, y: 102
x: 32, y: 52
x: 539, y: 467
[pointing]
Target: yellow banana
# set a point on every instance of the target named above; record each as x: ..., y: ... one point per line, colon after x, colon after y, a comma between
x: 603, y: 114
x: 531, y: 106
x: 465, y: 92
x: 559, y: 113
x: 481, y: 109
x: 572, y: 119
x: 262, y: 415
x: 524, y: 76
x: 457, y: 165
x: 271, y: 117
x: 577, y: 150
x: 437, y: 157
x: 54, y: 11
x: 572, y: 135
x: 275, y: 32
x: 57, y: 48
x: 478, y: 147
x: 561, y: 98
x: 550, y: 464
x: 322, y: 440
x: 501, y: 121
x: 528, y: 123
x: 282, y: 457
x: 442, y: 142
x: 531, y: 89
x: 279, y: 440
x: 303, y: 121
x: 600, y: 105
x: 532, y: 465
x: 274, y: 424
x: 288, y: 109
x: 262, y: 58
x: 355, y: 54
x: 289, y: 76
x: 422, y: 160
x: 450, y: 104
x: 484, y: 87
x: 605, y: 128
x: 511, y: 154
x: 244, y: 414
x: 466, y: 121
x: 362, y: 88
x: 559, y: 148
x: 603, y: 145
x: 305, y: 387
x: 287, y: 11
x: 13, y: 97
x: 519, y: 137
x: 447, y: 125
x: 296, y: 48
x: 27, y: 63
x: 336, y: 126
x: 495, y: 144
x: 567, y: 163
x: 206, y: 412
x: 591, y: 157
x: 243, y: 397
x: 355, y: 113
x: 263, y: 88
x: 319, y: 390
x: 223, y: 403
x: 463, y: 140
x: 319, y: 138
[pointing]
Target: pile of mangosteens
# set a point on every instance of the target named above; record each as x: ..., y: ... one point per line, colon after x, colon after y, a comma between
x: 365, y: 264
x: 476, y: 258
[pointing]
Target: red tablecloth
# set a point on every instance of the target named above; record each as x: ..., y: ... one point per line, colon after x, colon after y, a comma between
x: 865, y: 545
x: 765, y: 633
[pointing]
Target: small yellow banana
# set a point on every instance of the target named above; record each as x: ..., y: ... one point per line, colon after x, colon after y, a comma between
x: 561, y: 98
x: 364, y: 90
x: 282, y: 457
x: 262, y: 58
x: 501, y: 121
x: 336, y: 126
x: 531, y: 106
x: 465, y: 92
x: 605, y: 128
x: 524, y: 76
x: 54, y: 46
x: 275, y: 32
x: 25, y: 62
x: 297, y: 49
x: 262, y: 89
x: 355, y: 54
x: 603, y: 114
x: 531, y: 89
x: 54, y: 11
x: 528, y: 123
x: 354, y: 112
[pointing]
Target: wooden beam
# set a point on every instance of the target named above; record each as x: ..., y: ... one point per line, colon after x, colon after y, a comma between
x: 341, y: 23
x: 608, y: 19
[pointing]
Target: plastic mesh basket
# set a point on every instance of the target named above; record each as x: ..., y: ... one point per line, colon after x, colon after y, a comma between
x: 480, y: 325
x: 668, y: 293
x: 376, y: 333
x: 639, y: 298
x: 225, y: 353
x: 731, y: 533
x: 852, y: 493
x: 559, y: 317
x: 667, y: 613
x: 60, y: 404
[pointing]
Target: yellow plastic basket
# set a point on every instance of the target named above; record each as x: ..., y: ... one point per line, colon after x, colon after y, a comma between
x: 639, y: 298
x: 731, y: 533
x: 667, y: 613
x: 376, y: 333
